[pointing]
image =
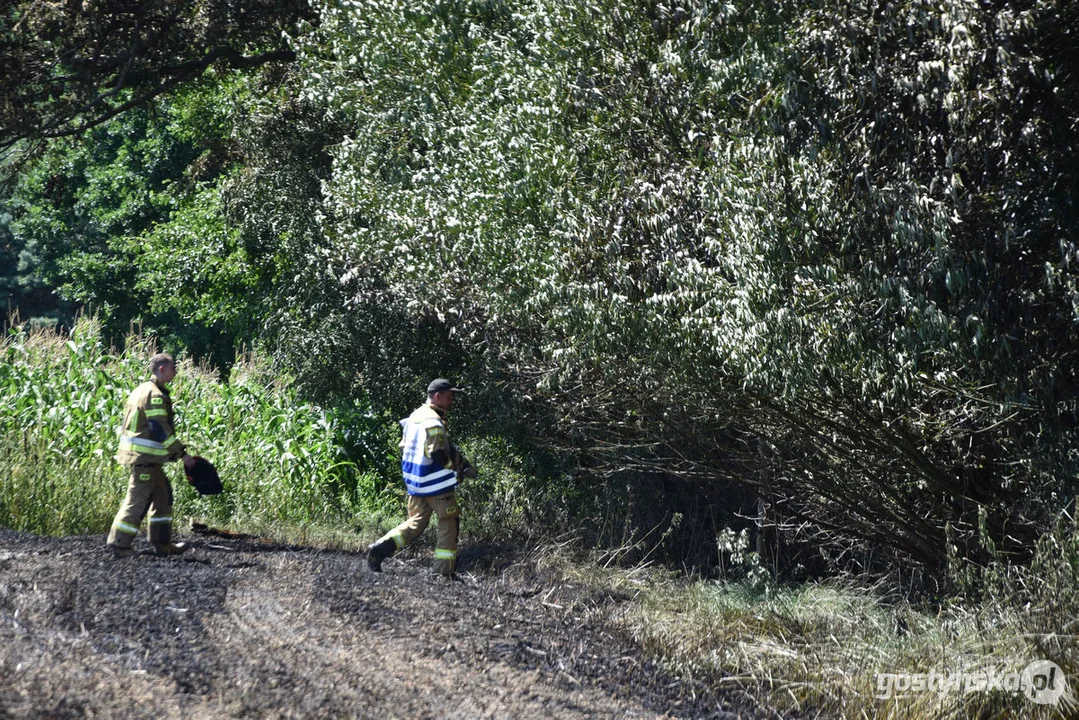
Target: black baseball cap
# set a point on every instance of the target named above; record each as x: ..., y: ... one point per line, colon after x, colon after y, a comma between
x: 440, y: 385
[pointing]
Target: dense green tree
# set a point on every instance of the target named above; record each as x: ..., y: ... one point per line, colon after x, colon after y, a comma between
x: 74, y: 205
x: 66, y: 67
x: 825, y: 249
x: 93, y: 216
x: 24, y: 295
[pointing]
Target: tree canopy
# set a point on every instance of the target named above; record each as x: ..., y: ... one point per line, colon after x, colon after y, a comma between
x: 825, y: 252
x: 66, y: 67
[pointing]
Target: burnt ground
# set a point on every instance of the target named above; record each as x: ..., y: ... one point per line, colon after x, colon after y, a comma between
x: 240, y: 627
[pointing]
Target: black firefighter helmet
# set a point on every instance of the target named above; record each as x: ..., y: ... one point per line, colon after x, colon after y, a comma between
x: 203, y: 477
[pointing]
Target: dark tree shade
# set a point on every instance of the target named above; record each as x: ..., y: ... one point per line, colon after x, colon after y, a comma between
x: 68, y: 66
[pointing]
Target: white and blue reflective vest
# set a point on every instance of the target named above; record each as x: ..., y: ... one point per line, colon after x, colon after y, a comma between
x: 422, y: 475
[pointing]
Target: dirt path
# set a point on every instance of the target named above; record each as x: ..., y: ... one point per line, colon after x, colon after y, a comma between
x: 243, y: 628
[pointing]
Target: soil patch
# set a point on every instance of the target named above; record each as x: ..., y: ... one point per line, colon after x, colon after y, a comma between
x: 240, y: 627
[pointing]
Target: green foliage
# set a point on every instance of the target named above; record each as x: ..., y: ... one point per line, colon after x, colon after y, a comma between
x: 68, y: 68
x: 823, y: 251
x: 842, y: 233
x: 153, y: 222
x: 286, y: 464
x: 58, y: 425
x: 22, y: 290
x: 738, y: 562
x: 507, y: 500
x: 74, y: 210
x: 282, y: 460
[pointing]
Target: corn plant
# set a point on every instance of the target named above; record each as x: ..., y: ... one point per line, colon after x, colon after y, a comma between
x: 61, y: 404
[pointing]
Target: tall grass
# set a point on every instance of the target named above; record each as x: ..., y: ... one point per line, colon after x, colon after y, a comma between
x: 821, y: 648
x: 282, y: 460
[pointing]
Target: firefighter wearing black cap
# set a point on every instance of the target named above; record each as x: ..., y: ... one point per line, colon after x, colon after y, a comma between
x: 431, y: 465
x: 148, y: 441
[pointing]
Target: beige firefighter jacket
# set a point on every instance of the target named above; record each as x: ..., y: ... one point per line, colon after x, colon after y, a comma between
x: 148, y: 435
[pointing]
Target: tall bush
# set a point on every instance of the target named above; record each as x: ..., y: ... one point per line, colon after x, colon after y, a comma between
x: 825, y: 251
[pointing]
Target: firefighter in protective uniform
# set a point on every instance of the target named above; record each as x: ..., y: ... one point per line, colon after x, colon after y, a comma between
x: 148, y: 441
x: 431, y: 465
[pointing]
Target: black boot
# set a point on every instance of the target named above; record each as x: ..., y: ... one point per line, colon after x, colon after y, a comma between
x: 379, y: 551
x: 169, y: 548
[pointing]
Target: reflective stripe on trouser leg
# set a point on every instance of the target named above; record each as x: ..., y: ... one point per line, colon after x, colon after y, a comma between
x: 445, y: 561
x: 122, y: 534
x: 125, y: 526
x: 445, y: 506
x: 419, y: 514
x: 160, y: 530
x: 148, y: 489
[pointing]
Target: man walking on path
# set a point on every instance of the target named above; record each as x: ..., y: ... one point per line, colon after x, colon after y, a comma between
x: 148, y: 441
x: 431, y: 465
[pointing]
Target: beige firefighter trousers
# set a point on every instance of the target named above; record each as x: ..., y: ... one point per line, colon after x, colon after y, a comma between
x: 420, y: 510
x: 148, y: 489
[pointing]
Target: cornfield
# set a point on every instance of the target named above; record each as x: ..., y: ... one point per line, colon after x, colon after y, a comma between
x: 282, y: 460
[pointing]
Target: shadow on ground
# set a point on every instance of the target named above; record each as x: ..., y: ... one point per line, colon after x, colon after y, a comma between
x: 241, y: 627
